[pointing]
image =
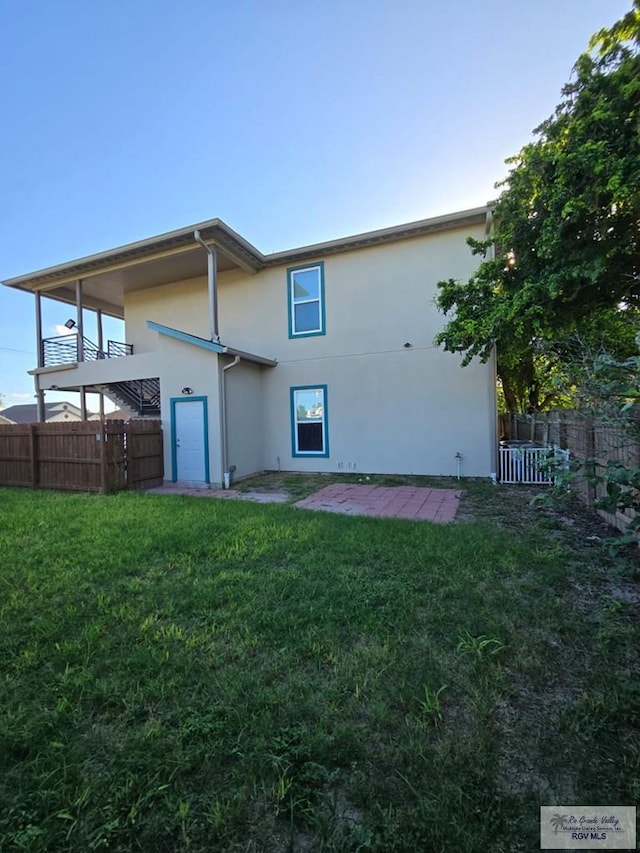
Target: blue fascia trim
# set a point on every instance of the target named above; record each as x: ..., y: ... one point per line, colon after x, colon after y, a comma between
x: 205, y: 424
x: 323, y: 316
x: 325, y: 422
x: 185, y: 337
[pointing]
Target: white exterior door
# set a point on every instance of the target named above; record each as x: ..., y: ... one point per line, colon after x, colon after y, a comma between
x: 190, y: 451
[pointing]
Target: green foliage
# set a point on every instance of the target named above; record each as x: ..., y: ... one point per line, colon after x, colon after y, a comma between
x: 480, y: 647
x: 564, y: 256
x: 622, y: 493
x: 430, y: 704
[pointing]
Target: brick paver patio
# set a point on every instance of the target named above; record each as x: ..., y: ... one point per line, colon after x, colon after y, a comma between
x: 386, y: 501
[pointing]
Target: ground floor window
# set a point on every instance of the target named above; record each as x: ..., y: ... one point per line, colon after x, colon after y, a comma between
x: 309, y: 420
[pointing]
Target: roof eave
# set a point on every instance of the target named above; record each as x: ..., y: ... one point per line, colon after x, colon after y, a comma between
x: 213, y: 231
x: 407, y: 231
x: 239, y: 250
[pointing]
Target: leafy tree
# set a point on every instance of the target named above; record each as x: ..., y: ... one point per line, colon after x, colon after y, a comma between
x: 563, y: 261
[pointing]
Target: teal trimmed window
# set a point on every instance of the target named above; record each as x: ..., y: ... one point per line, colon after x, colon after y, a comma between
x: 309, y: 419
x: 305, y: 299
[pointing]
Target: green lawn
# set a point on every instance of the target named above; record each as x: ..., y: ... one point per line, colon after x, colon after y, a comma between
x: 185, y: 674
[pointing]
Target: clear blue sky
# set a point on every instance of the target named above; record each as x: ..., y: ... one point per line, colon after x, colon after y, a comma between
x: 293, y: 121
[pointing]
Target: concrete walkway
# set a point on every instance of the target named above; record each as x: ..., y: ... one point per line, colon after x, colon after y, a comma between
x: 386, y: 501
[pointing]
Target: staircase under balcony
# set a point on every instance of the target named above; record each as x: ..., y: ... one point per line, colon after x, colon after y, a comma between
x: 141, y: 397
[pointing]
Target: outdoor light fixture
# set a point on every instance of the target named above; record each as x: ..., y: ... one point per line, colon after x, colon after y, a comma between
x: 407, y: 345
x: 187, y: 390
x: 70, y: 324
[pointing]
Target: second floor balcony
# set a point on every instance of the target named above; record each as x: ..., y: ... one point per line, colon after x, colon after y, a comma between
x: 73, y: 348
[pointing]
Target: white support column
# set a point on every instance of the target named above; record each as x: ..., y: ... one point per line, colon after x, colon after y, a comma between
x: 79, y: 320
x: 39, y: 328
x: 41, y: 413
x: 40, y: 360
x: 100, y: 332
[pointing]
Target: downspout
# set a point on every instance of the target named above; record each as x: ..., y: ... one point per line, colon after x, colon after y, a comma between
x: 223, y: 411
x: 211, y: 285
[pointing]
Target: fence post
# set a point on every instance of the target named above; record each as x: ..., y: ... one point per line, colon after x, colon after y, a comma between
x: 104, y: 478
x: 562, y: 430
x: 545, y: 430
x: 132, y: 451
x: 33, y: 455
x: 590, y: 453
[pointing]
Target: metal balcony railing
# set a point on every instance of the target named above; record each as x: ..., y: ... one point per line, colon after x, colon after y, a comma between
x: 115, y: 349
x: 65, y: 349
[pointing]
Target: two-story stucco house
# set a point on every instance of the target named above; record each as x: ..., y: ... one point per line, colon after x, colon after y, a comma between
x: 319, y: 358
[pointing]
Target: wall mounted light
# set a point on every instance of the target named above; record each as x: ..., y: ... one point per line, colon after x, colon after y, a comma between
x: 407, y: 345
x: 187, y: 390
x: 70, y: 324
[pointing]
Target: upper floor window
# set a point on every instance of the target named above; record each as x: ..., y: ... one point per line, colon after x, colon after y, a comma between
x: 305, y: 292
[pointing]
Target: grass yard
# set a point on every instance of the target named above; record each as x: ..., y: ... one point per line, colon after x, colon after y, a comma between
x: 182, y: 674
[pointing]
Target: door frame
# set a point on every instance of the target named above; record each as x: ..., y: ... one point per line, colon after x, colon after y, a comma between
x: 205, y: 429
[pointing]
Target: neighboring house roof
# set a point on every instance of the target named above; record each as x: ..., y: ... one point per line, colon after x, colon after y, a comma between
x: 4, y: 420
x: 27, y: 413
x: 176, y: 256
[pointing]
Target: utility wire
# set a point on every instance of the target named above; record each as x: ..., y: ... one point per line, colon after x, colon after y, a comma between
x: 9, y: 349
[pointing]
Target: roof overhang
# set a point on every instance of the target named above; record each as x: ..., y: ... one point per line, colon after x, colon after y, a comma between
x: 108, y: 276
x: 175, y: 256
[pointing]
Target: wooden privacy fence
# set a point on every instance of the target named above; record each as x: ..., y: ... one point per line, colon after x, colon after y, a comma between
x: 584, y: 437
x: 85, y: 456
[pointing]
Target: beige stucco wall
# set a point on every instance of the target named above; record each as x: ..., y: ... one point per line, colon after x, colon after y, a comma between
x: 391, y: 409
x: 245, y: 417
x: 181, y: 305
x: 377, y: 299
x: 405, y: 412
